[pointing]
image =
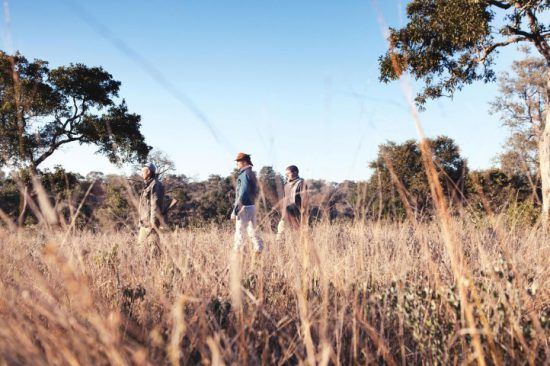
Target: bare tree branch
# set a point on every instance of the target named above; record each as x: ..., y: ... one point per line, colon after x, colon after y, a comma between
x: 520, y: 32
x: 487, y: 51
x: 500, y: 4
x: 52, y: 149
x: 538, y: 38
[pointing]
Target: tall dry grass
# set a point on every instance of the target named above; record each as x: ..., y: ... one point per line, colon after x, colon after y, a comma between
x: 358, y: 293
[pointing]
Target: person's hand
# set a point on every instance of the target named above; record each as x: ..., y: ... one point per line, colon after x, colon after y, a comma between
x: 235, y: 212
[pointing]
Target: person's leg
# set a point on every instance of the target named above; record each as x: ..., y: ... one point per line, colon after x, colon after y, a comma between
x: 149, y: 241
x: 280, y: 230
x: 252, y: 229
x: 293, y: 217
x: 142, y: 235
x: 153, y: 244
x: 240, y: 228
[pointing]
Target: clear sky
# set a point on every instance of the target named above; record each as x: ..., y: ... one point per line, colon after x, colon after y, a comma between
x: 288, y: 81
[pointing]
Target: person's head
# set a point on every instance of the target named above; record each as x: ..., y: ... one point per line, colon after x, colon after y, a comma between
x: 291, y: 172
x: 148, y: 171
x: 243, y: 160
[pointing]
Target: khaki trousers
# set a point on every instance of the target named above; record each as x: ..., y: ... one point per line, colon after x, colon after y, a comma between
x: 150, y: 240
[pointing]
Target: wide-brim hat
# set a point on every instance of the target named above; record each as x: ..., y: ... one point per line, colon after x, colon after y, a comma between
x: 242, y: 156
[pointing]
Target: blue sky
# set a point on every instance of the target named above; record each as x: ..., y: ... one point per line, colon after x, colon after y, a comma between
x: 289, y: 81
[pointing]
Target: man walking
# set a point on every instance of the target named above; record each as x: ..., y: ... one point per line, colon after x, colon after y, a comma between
x: 150, y: 209
x: 244, y: 210
x: 294, y: 201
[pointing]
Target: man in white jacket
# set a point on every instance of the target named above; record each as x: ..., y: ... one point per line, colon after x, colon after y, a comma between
x: 294, y: 203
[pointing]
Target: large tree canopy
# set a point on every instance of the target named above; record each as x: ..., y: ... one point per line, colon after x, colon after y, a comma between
x: 42, y: 110
x: 447, y: 44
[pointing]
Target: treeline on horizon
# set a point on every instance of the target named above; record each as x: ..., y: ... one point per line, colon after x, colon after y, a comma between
x: 398, y: 189
x: 47, y: 108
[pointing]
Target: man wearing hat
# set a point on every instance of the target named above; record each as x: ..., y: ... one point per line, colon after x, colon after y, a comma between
x: 244, y: 210
x: 150, y: 208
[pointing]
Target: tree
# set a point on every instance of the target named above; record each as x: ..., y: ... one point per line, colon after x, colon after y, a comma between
x: 9, y: 196
x: 95, y: 176
x: 497, y: 190
x: 521, y: 104
x: 399, y: 187
x: 115, y: 209
x: 178, y: 187
x: 449, y: 44
x: 161, y: 160
x: 42, y: 110
x: 272, y: 187
x: 271, y: 194
x: 65, y: 191
x: 214, y: 202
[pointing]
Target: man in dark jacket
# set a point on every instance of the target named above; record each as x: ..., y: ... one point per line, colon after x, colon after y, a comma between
x: 150, y: 208
x: 294, y: 202
x: 244, y: 210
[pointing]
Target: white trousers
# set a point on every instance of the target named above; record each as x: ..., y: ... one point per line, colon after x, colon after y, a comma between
x: 280, y: 230
x: 245, y: 224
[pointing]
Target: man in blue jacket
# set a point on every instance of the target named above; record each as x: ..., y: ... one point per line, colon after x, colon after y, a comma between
x: 244, y: 210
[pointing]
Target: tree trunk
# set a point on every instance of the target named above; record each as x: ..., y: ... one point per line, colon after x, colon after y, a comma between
x: 24, y: 193
x: 544, y: 156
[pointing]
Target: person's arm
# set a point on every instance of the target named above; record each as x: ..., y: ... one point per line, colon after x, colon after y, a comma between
x: 157, y: 196
x: 283, y: 202
x: 242, y: 188
x: 304, y: 197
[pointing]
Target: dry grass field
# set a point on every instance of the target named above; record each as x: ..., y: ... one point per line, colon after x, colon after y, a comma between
x: 363, y: 293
